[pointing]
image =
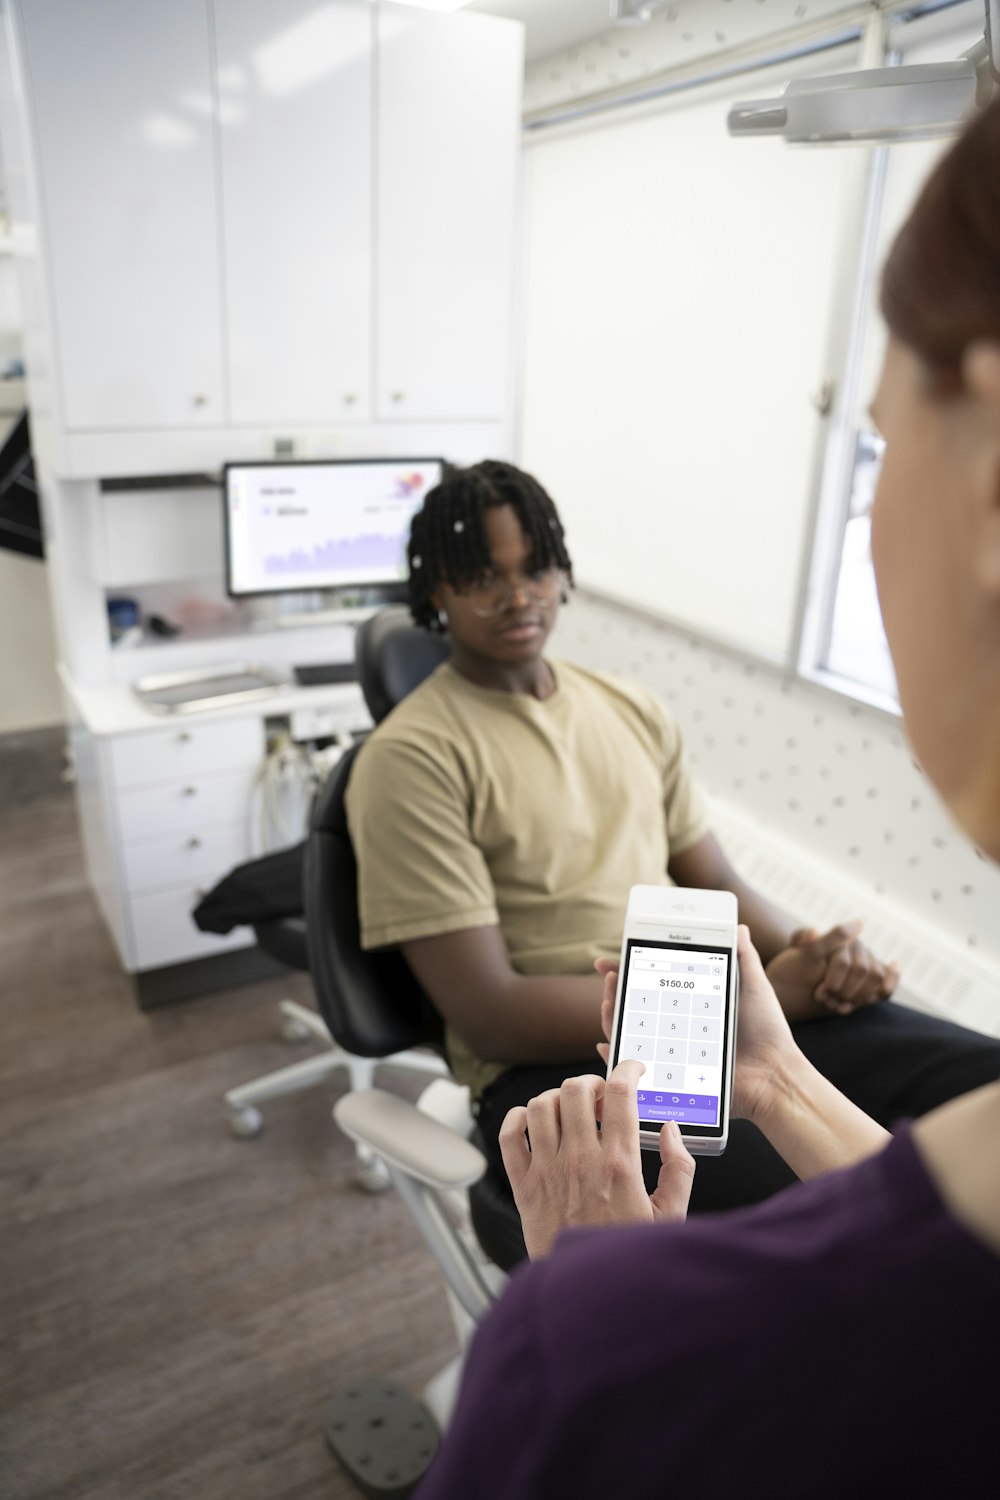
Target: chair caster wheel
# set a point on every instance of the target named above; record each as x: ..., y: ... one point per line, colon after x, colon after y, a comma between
x: 372, y: 1176
x: 245, y: 1121
x: 294, y: 1031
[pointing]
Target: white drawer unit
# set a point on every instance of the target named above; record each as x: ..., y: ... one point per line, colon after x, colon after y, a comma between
x: 163, y: 932
x: 176, y: 805
x: 184, y: 857
x: 186, y: 804
x: 186, y: 749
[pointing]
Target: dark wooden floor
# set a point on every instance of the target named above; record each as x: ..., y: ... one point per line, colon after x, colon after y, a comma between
x: 176, y: 1306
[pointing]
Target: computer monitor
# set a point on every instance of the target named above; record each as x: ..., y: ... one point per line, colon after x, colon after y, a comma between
x: 323, y: 524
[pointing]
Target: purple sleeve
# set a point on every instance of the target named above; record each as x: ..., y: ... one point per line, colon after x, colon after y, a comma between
x: 492, y: 1446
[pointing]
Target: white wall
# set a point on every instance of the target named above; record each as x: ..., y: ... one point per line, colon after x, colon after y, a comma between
x: 834, y: 778
x: 29, y: 689
x: 682, y: 297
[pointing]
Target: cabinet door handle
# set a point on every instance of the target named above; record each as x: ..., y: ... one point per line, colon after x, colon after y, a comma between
x: 184, y: 738
x: 194, y: 843
x: 350, y: 398
x: 190, y: 791
x: 200, y: 399
x: 399, y: 396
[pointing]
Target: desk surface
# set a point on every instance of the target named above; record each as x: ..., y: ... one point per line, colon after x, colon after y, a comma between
x: 114, y: 709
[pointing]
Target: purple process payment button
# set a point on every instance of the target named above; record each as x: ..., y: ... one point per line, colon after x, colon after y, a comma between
x: 695, y: 1109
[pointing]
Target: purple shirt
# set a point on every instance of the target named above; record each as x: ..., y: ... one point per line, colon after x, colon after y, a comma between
x: 841, y: 1339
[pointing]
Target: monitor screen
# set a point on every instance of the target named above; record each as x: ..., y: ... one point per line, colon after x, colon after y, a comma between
x: 329, y: 524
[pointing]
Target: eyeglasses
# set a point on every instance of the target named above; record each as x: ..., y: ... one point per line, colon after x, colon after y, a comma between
x: 491, y: 596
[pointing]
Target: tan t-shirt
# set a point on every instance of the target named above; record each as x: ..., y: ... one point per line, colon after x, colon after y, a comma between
x: 475, y: 808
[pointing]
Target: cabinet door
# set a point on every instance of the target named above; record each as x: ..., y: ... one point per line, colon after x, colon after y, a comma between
x: 294, y: 84
x: 122, y: 104
x: 449, y: 95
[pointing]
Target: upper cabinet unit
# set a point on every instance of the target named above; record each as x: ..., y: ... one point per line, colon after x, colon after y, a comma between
x: 295, y: 104
x: 249, y: 219
x: 449, y: 102
x: 121, y: 99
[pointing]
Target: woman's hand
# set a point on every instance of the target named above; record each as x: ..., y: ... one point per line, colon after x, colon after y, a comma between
x: 765, y: 1046
x: 764, y: 1042
x: 574, y: 1174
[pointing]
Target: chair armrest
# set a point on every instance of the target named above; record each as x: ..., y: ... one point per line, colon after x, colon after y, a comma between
x: 408, y: 1139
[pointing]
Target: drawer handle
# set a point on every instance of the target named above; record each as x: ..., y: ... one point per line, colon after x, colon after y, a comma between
x: 184, y: 738
x: 194, y: 843
x: 190, y: 791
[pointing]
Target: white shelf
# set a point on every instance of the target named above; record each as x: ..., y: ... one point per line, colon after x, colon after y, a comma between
x: 114, y: 709
x: 272, y: 648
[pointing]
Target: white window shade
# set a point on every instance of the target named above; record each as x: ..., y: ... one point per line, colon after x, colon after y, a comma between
x: 680, y: 300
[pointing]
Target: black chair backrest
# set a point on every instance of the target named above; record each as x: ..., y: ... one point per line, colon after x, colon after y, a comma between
x: 393, y: 657
x: 371, y: 1002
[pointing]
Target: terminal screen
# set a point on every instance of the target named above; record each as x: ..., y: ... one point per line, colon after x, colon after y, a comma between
x: 674, y: 1020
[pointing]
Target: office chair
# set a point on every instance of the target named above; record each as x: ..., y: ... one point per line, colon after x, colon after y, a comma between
x: 374, y: 1006
x: 284, y: 939
x: 393, y: 657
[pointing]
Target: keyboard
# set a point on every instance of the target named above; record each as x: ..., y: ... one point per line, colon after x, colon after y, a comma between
x: 316, y: 674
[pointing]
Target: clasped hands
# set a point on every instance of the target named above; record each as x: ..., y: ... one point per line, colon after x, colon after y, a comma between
x: 829, y: 973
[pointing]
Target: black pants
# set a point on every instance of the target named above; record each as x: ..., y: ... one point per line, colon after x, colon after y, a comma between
x: 893, y: 1062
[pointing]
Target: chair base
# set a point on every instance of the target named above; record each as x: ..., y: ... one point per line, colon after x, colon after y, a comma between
x: 300, y: 1024
x: 384, y: 1438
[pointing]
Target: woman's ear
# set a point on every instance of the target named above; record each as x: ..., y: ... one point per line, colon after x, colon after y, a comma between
x: 981, y: 380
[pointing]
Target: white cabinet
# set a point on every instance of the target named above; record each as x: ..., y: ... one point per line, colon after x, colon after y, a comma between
x: 448, y: 133
x: 257, y: 218
x: 186, y: 750
x: 176, y: 811
x: 294, y: 84
x: 122, y: 108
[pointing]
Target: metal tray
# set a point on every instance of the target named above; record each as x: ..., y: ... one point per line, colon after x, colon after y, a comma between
x: 214, y: 687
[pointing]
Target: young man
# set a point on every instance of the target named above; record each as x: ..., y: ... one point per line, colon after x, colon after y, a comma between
x: 502, y: 812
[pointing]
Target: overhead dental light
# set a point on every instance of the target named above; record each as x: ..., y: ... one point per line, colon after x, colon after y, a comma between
x: 880, y: 105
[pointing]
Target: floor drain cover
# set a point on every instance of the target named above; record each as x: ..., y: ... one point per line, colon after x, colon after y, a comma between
x: 383, y: 1437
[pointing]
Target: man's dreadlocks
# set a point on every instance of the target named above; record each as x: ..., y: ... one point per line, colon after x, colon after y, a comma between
x: 448, y: 535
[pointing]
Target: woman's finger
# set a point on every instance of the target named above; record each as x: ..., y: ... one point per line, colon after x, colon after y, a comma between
x: 676, y: 1179
x: 620, y: 1111
x: 579, y: 1098
x: 514, y: 1145
x: 543, y: 1125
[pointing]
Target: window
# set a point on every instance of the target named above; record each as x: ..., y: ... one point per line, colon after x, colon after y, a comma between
x: 843, y: 643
